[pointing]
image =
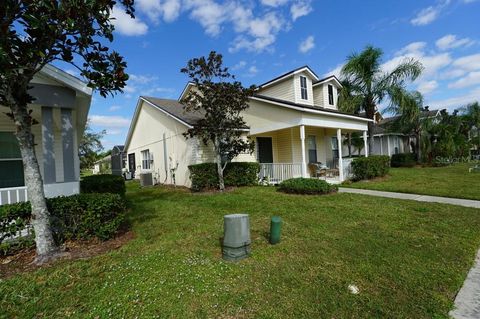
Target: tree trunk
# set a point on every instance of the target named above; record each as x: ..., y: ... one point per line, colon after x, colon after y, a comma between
x: 45, y: 245
x: 370, y: 138
x: 218, y: 155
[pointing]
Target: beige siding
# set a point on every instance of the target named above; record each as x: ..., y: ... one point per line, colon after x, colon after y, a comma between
x: 148, y: 134
x: 318, y: 99
x: 283, y: 90
x: 298, y: 94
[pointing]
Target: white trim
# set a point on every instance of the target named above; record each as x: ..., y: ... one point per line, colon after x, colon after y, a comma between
x: 309, y: 110
x: 340, y: 155
x: 365, y: 143
x: 328, y: 79
x: 289, y: 74
x: 67, y: 79
x: 189, y: 84
x: 302, y: 143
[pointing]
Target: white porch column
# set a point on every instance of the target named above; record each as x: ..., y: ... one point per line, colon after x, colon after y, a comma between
x: 340, y: 155
x: 365, y: 143
x: 389, y: 151
x: 304, y: 157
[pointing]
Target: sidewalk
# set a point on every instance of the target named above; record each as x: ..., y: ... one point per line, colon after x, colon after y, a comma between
x: 419, y: 198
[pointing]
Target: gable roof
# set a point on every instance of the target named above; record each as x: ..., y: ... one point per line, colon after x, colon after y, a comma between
x: 288, y: 74
x: 66, y: 79
x: 328, y: 78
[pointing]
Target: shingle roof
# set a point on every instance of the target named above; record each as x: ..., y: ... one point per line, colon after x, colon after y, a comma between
x: 176, y: 109
x: 287, y: 74
x: 319, y: 108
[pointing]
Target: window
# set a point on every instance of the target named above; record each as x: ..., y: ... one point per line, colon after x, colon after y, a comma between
x: 312, y: 149
x: 11, y: 165
x: 330, y: 94
x: 146, y: 159
x: 303, y: 87
x: 335, y: 147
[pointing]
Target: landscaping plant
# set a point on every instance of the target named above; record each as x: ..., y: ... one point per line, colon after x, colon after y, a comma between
x: 220, y: 99
x: 103, y: 183
x: 307, y: 186
x: 370, y: 167
x: 34, y: 34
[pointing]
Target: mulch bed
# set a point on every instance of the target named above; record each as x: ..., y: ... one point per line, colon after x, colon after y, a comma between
x: 23, y: 261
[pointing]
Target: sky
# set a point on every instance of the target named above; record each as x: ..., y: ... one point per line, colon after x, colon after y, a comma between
x: 262, y: 39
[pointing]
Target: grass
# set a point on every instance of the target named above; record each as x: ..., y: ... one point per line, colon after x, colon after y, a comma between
x: 408, y: 259
x: 448, y: 181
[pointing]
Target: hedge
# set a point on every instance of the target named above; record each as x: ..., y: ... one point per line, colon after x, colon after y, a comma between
x: 103, y: 183
x: 370, y: 167
x: 204, y: 176
x: 307, y: 186
x: 82, y: 216
x: 403, y: 160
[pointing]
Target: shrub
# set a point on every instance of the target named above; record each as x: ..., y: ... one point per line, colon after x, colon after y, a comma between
x: 103, y: 183
x: 370, y: 167
x: 403, y: 160
x: 308, y: 186
x: 82, y: 216
x: 204, y: 176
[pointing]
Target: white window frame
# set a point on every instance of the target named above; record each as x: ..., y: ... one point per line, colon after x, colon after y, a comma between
x: 332, y: 95
x: 303, y: 90
x: 146, y: 159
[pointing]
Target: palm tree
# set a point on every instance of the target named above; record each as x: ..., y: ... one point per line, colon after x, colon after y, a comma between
x: 366, y: 84
x: 471, y: 115
x: 408, y: 106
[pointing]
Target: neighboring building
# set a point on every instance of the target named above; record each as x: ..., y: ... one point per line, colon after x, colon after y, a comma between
x: 61, y: 107
x: 119, y: 160
x: 294, y: 120
x: 103, y: 166
x: 388, y: 142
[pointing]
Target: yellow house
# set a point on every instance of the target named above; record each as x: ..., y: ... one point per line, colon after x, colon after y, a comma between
x: 294, y: 120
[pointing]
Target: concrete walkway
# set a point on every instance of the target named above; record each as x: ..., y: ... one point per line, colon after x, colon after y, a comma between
x: 467, y: 302
x: 419, y: 198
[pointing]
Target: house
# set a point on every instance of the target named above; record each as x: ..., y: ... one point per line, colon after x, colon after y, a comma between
x: 61, y: 107
x: 389, y: 142
x: 103, y: 165
x: 293, y: 119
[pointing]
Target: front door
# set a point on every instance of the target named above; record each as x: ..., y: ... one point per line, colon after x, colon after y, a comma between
x: 131, y: 162
x: 265, y: 150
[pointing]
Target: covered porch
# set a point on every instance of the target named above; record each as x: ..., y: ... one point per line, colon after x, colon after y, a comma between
x: 308, y: 151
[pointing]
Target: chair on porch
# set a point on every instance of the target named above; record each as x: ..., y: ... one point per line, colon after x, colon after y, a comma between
x: 317, y: 170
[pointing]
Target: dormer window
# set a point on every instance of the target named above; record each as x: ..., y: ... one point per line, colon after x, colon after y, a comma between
x: 303, y: 88
x: 330, y: 94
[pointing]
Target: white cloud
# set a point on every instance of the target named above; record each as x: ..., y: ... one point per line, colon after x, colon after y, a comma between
x: 300, y: 9
x: 168, y: 10
x: 450, y: 41
x: 427, y: 86
x: 274, y: 3
x: 142, y: 79
x: 335, y: 71
x: 307, y: 44
x: 125, y: 25
x: 468, y: 63
x: 109, y: 121
x: 252, y: 71
x: 114, y: 108
x: 259, y: 33
x: 240, y: 65
x: 429, y: 14
x: 457, y: 101
x: 473, y: 78
x: 208, y: 13
x: 416, y: 50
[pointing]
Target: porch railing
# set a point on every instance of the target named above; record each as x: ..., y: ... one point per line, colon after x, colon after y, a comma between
x: 275, y: 173
x: 13, y: 195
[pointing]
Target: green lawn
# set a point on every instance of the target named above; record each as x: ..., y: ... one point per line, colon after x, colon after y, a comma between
x: 408, y: 259
x: 448, y: 181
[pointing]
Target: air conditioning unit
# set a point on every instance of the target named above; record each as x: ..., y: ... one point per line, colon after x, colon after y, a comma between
x: 146, y: 179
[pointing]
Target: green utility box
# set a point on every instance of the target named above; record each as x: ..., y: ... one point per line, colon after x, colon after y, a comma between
x: 275, y: 229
